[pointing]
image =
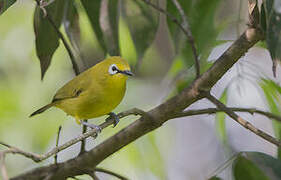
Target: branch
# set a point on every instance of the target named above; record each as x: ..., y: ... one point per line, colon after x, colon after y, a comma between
x: 57, y: 144
x: 215, y: 110
x: 3, y: 168
x: 243, y: 122
x: 110, y: 173
x: 54, y: 151
x: 184, y: 27
x: 42, y: 4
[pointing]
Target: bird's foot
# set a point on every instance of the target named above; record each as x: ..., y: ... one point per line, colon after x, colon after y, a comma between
x: 92, y: 126
x: 113, y: 116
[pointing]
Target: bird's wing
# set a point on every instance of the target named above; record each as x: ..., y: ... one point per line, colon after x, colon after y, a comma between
x: 73, y: 88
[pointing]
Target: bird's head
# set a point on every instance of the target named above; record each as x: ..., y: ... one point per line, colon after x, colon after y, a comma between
x: 117, y: 68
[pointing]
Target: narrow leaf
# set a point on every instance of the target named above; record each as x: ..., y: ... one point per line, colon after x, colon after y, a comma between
x: 272, y: 93
x: 46, y: 38
x: 263, y: 18
x: 92, y: 9
x: 5, y: 4
x: 273, y: 30
x: 215, y: 178
x: 244, y: 169
x: 177, y: 35
x: 143, y: 23
x: 269, y: 165
x: 110, y: 27
x: 103, y: 16
x: 201, y: 17
x: 71, y: 24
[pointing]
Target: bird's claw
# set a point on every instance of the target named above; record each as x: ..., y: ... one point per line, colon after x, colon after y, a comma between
x: 113, y: 116
x: 92, y: 126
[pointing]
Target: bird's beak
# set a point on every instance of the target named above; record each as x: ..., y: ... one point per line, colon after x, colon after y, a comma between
x: 127, y: 72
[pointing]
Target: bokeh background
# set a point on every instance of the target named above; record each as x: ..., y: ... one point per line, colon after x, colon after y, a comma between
x: 185, y: 148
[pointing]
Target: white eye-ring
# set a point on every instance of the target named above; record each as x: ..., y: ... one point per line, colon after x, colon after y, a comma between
x: 113, y: 69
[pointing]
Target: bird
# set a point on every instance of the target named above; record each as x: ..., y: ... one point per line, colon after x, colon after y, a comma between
x: 93, y: 93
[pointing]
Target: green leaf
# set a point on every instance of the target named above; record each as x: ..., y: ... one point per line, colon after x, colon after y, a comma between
x: 127, y: 47
x: 177, y: 35
x: 142, y: 21
x: 244, y: 169
x: 269, y: 165
x: 92, y: 9
x: 201, y: 17
x: 112, y: 33
x: 106, y: 31
x: 46, y: 38
x: 263, y: 18
x: 156, y: 163
x: 272, y: 93
x: 215, y: 178
x: 272, y: 17
x: 220, y: 119
x: 5, y: 4
x: 71, y: 24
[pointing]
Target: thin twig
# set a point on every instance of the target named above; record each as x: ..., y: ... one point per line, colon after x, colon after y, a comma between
x: 239, y: 18
x: 215, y: 110
x: 3, y: 165
x: 189, y: 36
x: 224, y: 165
x: 54, y: 151
x: 186, y: 30
x: 241, y: 121
x: 111, y: 173
x: 83, y: 142
x: 60, y: 35
x: 57, y: 144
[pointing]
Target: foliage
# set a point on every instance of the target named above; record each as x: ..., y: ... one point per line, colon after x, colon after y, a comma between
x: 255, y: 166
x: 272, y: 93
x: 5, y: 4
x: 220, y: 119
x: 46, y: 38
x: 271, y: 24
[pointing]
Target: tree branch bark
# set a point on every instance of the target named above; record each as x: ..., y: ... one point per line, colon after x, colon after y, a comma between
x: 215, y: 110
x: 242, y: 122
x: 154, y: 118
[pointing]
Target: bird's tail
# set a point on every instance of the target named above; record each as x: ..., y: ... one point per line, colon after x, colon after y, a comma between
x: 42, y: 109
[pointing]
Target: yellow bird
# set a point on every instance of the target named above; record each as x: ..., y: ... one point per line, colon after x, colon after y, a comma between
x: 93, y: 93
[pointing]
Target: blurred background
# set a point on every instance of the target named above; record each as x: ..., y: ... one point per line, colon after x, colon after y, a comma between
x: 184, y: 148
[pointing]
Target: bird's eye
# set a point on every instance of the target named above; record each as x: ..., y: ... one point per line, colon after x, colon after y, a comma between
x: 113, y: 69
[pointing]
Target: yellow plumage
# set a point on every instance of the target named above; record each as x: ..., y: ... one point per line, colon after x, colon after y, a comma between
x: 95, y: 92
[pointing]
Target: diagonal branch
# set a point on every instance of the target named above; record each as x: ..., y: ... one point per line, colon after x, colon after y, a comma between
x: 54, y: 151
x: 184, y: 27
x: 243, y: 122
x: 215, y: 110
